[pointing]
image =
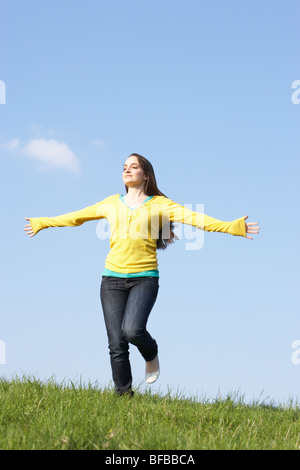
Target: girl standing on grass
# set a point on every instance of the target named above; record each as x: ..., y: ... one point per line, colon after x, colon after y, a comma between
x: 141, y: 222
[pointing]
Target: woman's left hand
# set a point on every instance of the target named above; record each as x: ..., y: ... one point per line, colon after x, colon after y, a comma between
x: 251, y: 227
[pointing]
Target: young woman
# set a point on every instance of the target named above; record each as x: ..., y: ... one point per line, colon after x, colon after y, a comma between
x: 141, y: 222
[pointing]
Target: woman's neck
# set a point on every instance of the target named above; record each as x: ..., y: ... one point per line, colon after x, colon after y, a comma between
x: 135, y: 194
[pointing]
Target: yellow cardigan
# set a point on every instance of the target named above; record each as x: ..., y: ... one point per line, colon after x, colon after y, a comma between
x: 134, y: 232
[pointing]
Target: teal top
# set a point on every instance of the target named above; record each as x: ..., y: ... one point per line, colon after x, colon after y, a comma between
x: 153, y: 273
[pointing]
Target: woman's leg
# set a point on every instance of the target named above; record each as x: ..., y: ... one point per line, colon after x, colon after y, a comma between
x: 126, y: 305
x: 114, y: 294
x: 142, y: 296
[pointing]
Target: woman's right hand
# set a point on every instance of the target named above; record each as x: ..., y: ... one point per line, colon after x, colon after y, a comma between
x: 28, y: 228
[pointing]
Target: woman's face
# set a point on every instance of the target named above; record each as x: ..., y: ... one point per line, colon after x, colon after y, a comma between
x: 133, y: 174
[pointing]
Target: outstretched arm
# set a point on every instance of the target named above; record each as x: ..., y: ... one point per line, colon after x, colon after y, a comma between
x: 71, y: 219
x: 238, y: 227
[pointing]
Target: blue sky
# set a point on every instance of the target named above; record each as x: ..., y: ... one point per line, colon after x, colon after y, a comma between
x: 204, y: 91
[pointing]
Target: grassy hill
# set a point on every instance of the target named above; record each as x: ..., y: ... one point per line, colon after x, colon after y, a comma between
x: 38, y: 415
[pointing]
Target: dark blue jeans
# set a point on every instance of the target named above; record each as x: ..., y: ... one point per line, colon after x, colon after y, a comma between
x: 126, y: 304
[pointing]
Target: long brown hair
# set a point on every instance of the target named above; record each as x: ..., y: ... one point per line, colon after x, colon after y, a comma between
x: 151, y: 189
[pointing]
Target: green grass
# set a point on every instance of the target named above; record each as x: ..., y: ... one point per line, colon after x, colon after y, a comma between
x: 48, y: 415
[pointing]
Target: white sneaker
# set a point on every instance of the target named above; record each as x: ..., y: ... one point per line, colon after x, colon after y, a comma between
x: 151, y: 377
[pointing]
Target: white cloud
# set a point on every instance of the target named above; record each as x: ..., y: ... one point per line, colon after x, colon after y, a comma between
x: 50, y: 153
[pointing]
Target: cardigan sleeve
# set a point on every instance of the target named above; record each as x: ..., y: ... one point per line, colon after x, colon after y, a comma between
x: 177, y: 213
x: 71, y: 219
